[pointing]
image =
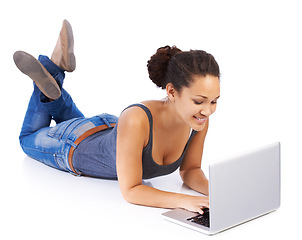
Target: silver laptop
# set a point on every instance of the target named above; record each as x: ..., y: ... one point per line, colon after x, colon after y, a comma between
x: 241, y: 188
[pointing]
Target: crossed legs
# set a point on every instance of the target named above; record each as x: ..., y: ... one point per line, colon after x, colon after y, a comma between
x: 49, y: 100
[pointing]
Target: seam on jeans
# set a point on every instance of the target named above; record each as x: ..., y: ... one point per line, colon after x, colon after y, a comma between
x: 37, y: 150
x: 60, y: 162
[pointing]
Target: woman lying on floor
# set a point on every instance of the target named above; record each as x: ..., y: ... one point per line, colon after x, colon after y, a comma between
x: 149, y: 139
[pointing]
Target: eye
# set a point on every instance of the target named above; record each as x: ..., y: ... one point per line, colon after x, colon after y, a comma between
x: 214, y: 102
x: 198, y: 102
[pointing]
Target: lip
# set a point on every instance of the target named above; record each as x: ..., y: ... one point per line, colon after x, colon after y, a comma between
x: 200, y: 120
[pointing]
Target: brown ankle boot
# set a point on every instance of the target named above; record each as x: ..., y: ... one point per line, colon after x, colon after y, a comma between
x: 63, y: 54
x: 30, y: 66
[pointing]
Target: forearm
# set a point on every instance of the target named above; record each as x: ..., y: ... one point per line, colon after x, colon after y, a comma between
x: 196, y: 180
x: 149, y: 196
x: 152, y: 197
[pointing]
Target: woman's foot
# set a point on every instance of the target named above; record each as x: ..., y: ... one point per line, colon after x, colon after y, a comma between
x: 31, y: 67
x: 63, y: 54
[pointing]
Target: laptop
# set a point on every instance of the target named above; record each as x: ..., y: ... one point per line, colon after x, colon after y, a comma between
x: 241, y: 188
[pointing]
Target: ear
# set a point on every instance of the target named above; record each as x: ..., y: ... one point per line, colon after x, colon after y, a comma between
x: 170, y: 91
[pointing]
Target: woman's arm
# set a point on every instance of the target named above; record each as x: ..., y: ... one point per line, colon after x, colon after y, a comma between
x: 133, y: 136
x: 190, y: 169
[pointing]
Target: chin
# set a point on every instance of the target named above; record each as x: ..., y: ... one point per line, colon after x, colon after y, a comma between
x: 198, y: 127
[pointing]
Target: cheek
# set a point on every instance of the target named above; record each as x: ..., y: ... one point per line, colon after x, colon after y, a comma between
x: 213, y: 108
x: 189, y: 112
x: 184, y: 111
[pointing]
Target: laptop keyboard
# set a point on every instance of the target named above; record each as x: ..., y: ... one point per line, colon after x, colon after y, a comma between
x: 203, y: 219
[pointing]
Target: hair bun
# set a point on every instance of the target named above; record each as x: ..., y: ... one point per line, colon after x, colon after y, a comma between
x: 158, y: 64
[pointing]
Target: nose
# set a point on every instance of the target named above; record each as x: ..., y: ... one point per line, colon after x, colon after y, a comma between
x: 206, y: 111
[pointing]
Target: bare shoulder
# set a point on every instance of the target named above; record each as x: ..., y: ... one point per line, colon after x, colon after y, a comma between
x: 133, y: 116
x: 133, y: 122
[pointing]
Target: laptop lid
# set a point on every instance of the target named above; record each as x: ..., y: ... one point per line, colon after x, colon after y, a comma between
x: 244, y: 187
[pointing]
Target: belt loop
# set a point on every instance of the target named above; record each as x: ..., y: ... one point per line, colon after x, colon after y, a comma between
x: 105, y: 120
x: 71, y: 143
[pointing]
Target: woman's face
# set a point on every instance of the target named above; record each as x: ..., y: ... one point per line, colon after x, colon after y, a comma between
x: 196, y: 103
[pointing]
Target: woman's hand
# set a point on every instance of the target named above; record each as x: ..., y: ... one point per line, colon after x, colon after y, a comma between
x: 195, y: 204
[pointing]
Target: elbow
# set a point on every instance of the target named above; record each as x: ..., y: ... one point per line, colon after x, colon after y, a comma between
x: 130, y: 195
x: 127, y: 195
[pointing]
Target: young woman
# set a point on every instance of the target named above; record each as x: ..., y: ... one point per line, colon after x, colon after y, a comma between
x: 149, y: 139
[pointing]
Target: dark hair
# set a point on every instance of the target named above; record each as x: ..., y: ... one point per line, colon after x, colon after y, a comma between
x: 171, y: 65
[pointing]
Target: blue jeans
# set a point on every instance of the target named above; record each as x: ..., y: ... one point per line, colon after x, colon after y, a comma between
x: 51, y: 145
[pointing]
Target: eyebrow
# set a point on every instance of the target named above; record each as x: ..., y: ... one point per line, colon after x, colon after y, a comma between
x: 206, y: 97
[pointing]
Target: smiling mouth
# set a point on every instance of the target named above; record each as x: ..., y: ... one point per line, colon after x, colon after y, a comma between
x: 201, y: 120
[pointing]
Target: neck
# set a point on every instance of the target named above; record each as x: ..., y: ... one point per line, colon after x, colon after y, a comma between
x: 170, y: 114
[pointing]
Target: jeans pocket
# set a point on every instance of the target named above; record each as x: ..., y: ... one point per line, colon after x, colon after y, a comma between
x: 61, y: 128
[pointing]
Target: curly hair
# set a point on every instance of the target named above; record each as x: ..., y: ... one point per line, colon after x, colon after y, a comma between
x: 171, y: 65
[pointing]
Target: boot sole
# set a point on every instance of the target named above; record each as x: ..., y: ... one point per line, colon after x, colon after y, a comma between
x: 71, y: 57
x: 31, y: 67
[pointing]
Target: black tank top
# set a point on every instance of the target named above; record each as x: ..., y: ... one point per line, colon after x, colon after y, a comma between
x: 150, y: 168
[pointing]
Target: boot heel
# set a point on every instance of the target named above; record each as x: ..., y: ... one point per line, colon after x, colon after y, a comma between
x: 31, y: 67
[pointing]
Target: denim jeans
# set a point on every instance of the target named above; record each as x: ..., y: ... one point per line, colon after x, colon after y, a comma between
x: 51, y: 145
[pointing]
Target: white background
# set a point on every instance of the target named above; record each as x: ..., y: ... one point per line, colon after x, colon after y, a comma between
x: 258, y: 47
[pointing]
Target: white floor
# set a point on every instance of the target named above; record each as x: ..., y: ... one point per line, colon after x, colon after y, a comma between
x: 258, y: 47
x: 39, y: 202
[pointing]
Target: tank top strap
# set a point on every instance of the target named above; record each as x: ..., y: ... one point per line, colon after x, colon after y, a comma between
x: 148, y: 112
